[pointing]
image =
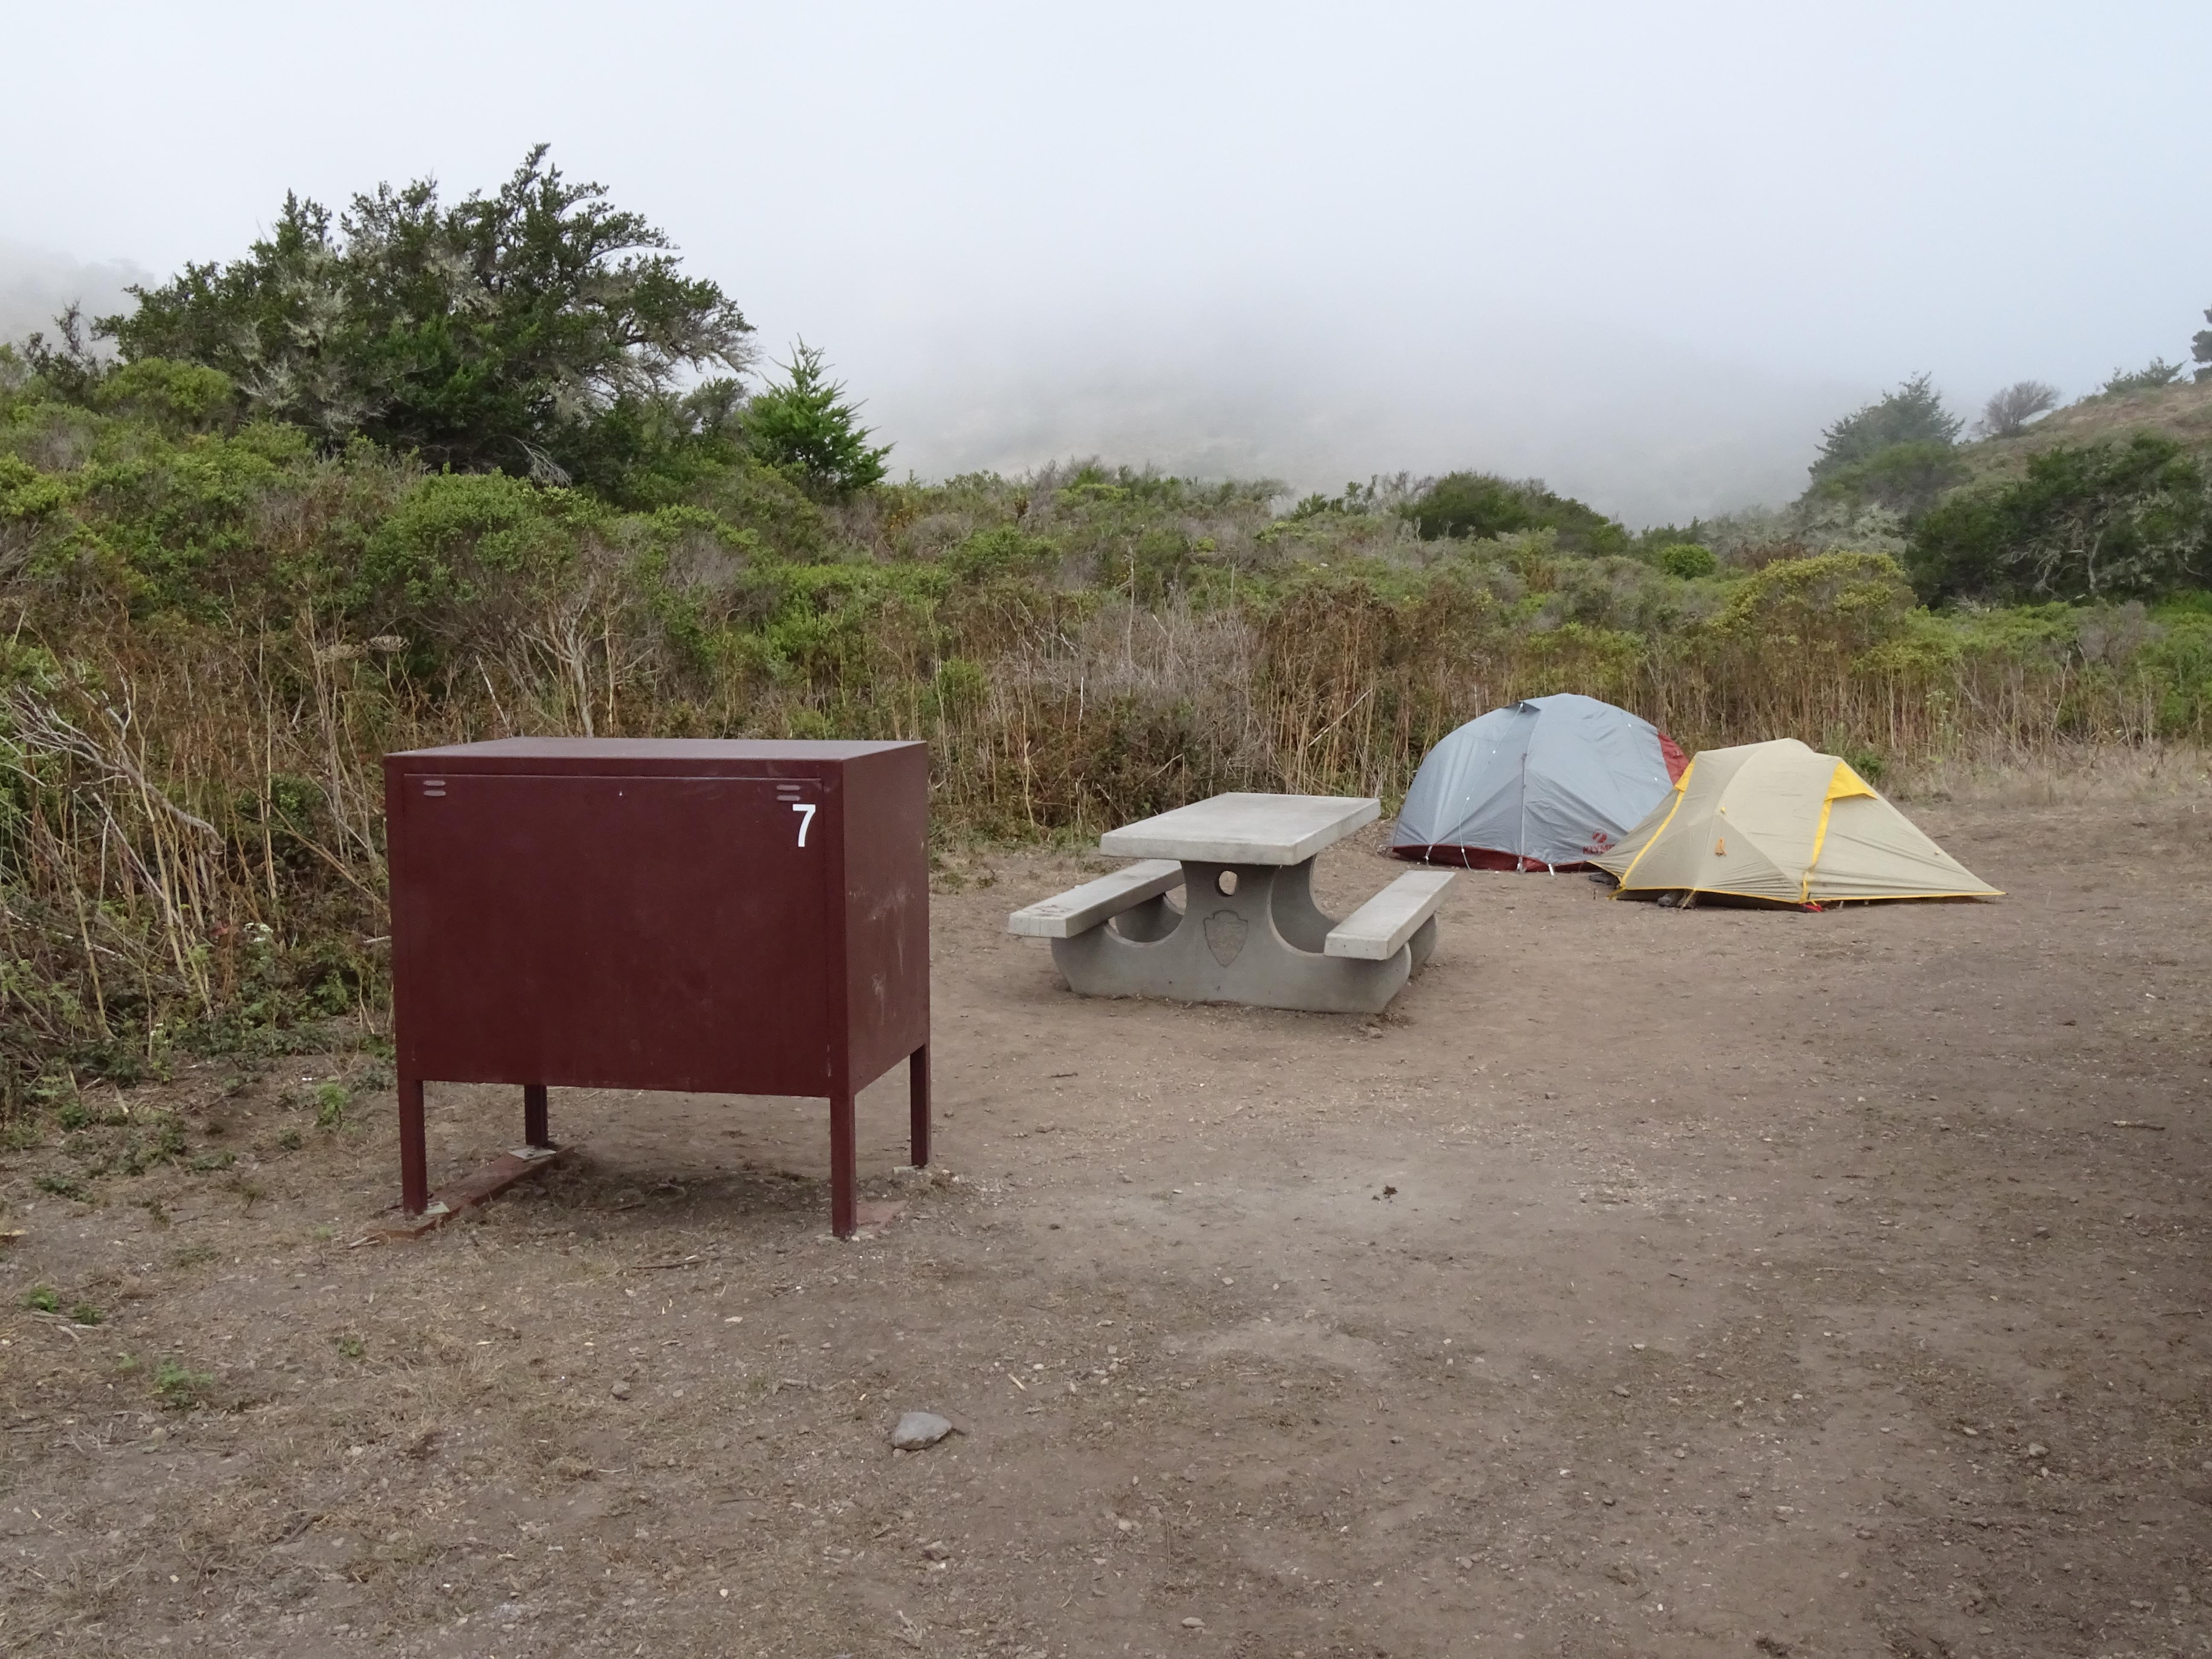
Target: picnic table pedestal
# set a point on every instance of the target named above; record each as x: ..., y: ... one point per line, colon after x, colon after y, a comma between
x: 1249, y: 931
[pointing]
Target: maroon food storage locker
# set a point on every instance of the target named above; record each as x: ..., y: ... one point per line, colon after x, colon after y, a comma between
x: 722, y: 916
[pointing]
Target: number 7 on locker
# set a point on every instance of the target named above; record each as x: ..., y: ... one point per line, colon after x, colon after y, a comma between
x: 806, y: 810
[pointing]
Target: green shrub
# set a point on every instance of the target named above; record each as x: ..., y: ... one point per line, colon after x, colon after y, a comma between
x: 179, y: 1388
x: 1687, y: 559
x: 178, y: 397
x: 2099, y: 522
x: 331, y: 1100
x: 1481, y: 506
x: 449, y: 542
x: 1838, y: 606
x: 1906, y: 479
x: 1001, y: 550
x: 2149, y: 378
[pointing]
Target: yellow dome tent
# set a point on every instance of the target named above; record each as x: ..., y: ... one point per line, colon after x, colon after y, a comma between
x: 1781, y: 822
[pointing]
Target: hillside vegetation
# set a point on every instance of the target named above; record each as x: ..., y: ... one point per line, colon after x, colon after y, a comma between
x: 2181, y: 412
x: 218, y: 610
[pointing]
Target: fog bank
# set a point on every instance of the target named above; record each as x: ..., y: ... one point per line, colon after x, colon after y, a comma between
x: 37, y: 284
x: 1654, y: 434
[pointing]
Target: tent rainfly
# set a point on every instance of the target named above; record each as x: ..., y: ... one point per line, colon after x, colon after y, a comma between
x: 1779, y: 821
x: 1547, y: 784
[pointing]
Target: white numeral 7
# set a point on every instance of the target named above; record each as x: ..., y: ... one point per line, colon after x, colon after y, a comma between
x: 806, y: 810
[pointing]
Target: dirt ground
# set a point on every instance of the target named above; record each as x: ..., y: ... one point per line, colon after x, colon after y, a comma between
x: 1646, y: 1282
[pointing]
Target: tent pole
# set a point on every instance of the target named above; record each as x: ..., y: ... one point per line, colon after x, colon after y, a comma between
x: 1520, y: 831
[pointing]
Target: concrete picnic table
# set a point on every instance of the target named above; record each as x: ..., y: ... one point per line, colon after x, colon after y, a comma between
x: 1248, y: 930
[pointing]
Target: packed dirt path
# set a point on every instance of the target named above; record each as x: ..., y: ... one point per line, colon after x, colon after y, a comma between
x: 1646, y: 1283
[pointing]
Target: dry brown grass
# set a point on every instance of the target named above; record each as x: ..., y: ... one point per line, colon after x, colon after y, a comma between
x: 2062, y: 775
x: 2182, y: 412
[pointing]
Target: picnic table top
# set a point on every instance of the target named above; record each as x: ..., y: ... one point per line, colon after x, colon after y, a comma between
x: 1241, y: 829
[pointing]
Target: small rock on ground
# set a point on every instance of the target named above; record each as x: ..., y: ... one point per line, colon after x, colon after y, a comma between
x: 919, y: 1428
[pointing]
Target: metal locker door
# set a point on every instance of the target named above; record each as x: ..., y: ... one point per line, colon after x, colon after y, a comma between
x: 635, y: 930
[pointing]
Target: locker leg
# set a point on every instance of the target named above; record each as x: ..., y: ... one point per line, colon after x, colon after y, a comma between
x: 413, y: 1159
x: 917, y: 1078
x: 844, y: 1172
x: 534, y: 1132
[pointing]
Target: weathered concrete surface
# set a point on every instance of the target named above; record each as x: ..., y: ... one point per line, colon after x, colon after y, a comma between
x: 1243, y: 828
x: 1081, y: 909
x: 1261, y: 945
x: 1374, y: 931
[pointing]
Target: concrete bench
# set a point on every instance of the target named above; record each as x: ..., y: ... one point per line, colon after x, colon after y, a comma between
x: 1246, y: 929
x: 1079, y: 909
x: 1374, y: 931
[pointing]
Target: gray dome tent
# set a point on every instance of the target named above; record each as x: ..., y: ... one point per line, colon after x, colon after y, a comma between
x: 1547, y: 784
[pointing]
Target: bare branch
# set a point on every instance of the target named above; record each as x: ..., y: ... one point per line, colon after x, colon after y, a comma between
x: 2007, y: 412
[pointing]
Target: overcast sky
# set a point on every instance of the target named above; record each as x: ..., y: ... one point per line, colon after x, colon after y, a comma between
x: 1642, y: 251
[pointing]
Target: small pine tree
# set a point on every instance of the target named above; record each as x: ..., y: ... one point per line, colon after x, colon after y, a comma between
x: 2150, y: 377
x: 1913, y: 414
x: 806, y: 428
x: 2200, y: 349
